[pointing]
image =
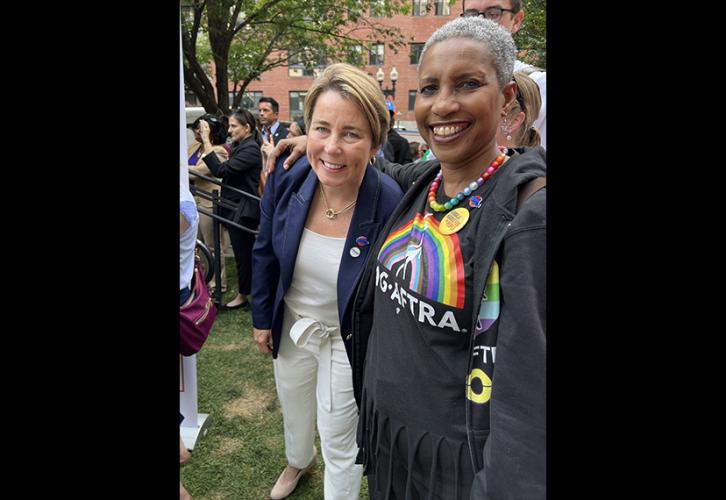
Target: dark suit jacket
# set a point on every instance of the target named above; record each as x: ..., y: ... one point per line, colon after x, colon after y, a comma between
x: 280, y: 133
x: 242, y: 171
x: 285, y: 205
x: 397, y: 149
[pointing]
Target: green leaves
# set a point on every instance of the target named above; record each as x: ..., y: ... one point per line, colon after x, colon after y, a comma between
x: 531, y: 39
x: 245, y: 38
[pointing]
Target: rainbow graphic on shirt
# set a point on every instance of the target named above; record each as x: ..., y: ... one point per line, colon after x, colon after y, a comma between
x: 489, y: 309
x: 428, y: 261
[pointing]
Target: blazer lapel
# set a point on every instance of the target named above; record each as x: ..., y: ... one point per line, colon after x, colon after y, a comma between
x: 296, y: 214
x: 362, y: 226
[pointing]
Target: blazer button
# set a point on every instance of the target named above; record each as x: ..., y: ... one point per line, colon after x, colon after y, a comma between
x: 349, y: 336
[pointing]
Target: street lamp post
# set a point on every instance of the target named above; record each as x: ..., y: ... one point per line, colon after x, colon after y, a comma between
x: 380, y: 76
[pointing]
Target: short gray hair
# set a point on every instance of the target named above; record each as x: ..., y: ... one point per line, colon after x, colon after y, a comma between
x: 497, y: 40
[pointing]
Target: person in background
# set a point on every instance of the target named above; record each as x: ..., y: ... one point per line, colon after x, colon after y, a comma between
x: 424, y: 153
x: 272, y: 130
x: 509, y: 14
x: 396, y: 149
x: 516, y: 128
x: 188, y: 225
x: 414, y: 147
x: 297, y: 128
x: 218, y: 137
x: 318, y: 223
x: 241, y: 171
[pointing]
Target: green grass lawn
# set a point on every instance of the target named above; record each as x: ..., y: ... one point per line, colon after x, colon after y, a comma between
x: 243, y: 451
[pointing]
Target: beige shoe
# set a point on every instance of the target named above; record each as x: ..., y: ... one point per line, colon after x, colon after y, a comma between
x: 283, y: 488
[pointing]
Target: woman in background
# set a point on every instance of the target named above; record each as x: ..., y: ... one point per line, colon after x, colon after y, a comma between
x: 218, y: 137
x: 516, y: 128
x: 241, y: 171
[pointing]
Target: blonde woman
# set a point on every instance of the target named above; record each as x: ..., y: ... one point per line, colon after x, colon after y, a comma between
x: 516, y: 128
x: 318, y: 223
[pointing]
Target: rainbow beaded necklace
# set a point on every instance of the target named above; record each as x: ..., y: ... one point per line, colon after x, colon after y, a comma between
x: 473, y: 186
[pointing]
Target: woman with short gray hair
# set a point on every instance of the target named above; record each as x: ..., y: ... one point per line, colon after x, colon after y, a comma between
x: 457, y: 288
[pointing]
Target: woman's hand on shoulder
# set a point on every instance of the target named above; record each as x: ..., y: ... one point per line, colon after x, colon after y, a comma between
x: 298, y: 147
x: 263, y: 339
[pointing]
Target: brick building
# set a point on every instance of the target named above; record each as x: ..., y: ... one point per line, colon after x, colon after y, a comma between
x: 288, y: 84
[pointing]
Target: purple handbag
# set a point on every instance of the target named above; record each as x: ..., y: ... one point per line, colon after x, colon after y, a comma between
x: 196, y: 316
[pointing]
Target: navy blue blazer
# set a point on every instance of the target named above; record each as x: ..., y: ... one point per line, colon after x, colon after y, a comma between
x: 284, y: 207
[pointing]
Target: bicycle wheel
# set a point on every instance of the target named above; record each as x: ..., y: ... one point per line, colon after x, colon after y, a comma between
x: 207, y: 261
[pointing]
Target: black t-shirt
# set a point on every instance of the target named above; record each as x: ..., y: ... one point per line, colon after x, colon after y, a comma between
x: 418, y: 351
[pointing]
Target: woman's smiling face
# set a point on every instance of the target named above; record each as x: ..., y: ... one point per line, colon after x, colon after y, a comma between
x: 460, y: 103
x: 340, y: 142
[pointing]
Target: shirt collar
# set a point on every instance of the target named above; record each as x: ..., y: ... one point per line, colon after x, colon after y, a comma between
x: 273, y: 128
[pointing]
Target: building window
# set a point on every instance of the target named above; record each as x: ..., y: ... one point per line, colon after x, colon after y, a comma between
x: 249, y: 100
x: 416, y: 49
x: 355, y: 56
x: 420, y: 7
x: 442, y: 7
x: 412, y: 99
x: 378, y: 8
x: 376, y: 53
x: 297, y: 99
x: 297, y: 67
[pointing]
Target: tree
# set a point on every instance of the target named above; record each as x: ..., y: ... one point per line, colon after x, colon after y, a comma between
x: 245, y: 38
x: 531, y: 39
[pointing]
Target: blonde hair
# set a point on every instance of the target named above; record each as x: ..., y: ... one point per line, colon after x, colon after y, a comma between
x: 529, y: 102
x: 356, y: 86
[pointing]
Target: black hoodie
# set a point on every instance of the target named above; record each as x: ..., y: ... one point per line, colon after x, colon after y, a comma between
x: 506, y: 435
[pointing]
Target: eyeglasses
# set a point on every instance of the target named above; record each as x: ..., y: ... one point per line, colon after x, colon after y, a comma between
x: 492, y: 13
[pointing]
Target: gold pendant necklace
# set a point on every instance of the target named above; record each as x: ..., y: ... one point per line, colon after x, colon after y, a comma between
x: 329, y: 212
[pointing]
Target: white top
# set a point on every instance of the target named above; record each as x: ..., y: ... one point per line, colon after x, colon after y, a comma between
x: 313, y: 291
x: 188, y: 240
x: 541, y: 78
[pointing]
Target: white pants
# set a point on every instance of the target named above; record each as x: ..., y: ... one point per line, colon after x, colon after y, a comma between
x: 305, y: 387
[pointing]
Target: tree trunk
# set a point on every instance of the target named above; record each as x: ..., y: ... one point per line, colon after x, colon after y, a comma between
x: 220, y: 39
x: 222, y: 78
x: 196, y: 78
x: 206, y: 98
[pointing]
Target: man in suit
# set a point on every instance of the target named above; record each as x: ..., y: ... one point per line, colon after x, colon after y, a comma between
x: 269, y: 111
